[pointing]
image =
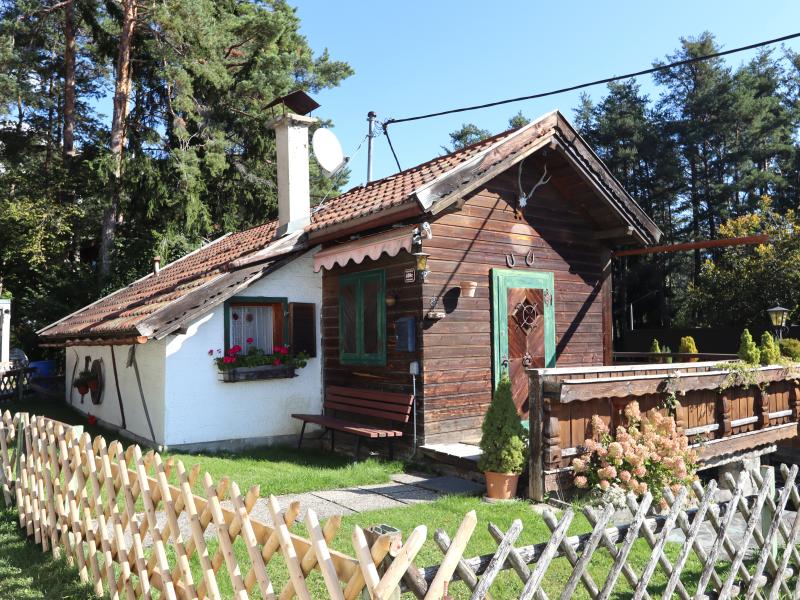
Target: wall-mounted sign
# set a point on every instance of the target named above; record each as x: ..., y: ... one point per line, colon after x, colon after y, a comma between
x: 410, y: 275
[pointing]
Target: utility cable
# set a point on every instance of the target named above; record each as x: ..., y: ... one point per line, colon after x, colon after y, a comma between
x: 580, y: 86
x: 391, y: 146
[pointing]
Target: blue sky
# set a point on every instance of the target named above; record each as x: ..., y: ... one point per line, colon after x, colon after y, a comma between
x: 412, y: 57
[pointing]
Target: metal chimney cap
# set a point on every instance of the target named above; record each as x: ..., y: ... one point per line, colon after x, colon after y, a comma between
x: 297, y: 101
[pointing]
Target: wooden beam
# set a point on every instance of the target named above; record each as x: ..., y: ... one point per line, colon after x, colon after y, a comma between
x: 738, y: 241
x: 125, y: 341
x: 610, y: 234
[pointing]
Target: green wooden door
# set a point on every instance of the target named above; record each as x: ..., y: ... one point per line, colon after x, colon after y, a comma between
x: 523, y: 327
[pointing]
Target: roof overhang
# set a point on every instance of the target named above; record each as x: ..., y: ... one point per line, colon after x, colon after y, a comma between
x: 551, y: 131
x: 389, y: 243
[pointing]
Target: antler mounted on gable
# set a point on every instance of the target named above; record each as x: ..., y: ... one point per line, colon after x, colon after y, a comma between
x: 523, y: 197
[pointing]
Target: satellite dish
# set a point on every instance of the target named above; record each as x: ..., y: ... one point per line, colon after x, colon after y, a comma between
x: 328, y: 151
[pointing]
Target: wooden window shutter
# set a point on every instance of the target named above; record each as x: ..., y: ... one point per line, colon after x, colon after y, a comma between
x: 302, y: 328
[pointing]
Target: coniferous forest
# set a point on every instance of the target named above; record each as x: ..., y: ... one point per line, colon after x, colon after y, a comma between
x: 86, y: 202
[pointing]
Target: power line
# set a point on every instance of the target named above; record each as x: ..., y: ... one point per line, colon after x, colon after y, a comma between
x: 593, y: 83
x: 391, y: 146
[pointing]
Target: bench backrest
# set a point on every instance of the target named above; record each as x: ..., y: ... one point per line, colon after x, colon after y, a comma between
x: 384, y: 405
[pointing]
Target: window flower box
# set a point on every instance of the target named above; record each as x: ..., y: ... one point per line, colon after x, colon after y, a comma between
x: 259, y: 372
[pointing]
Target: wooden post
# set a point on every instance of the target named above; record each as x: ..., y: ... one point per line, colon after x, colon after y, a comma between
x: 536, y: 467
x: 725, y: 428
x: 762, y: 401
x: 552, y: 442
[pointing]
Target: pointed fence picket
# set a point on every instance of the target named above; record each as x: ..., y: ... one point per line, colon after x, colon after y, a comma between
x: 112, y: 512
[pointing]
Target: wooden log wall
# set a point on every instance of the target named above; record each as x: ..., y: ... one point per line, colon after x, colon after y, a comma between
x: 394, y: 376
x: 471, y: 241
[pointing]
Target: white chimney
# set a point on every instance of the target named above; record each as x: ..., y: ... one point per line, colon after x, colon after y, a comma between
x: 294, y: 199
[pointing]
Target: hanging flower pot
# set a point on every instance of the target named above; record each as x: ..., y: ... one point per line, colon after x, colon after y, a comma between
x: 93, y: 385
x: 83, y: 389
x: 468, y: 288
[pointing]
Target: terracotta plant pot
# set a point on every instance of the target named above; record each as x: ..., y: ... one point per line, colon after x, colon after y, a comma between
x: 82, y: 389
x: 501, y: 486
x: 468, y: 288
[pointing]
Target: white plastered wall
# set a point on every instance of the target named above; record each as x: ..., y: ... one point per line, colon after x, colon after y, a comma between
x: 150, y: 358
x: 200, y: 408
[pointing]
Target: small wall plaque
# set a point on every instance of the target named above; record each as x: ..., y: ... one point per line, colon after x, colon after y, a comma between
x: 410, y: 275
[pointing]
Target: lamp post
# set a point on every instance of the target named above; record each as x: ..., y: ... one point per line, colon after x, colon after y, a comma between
x: 777, y: 316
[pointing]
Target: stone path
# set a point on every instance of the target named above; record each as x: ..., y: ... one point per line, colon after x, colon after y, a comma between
x: 403, y: 490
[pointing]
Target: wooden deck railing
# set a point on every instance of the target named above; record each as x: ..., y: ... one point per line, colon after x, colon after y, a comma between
x: 722, y: 410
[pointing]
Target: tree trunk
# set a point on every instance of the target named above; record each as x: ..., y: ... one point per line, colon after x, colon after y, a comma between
x: 122, y: 92
x: 69, y: 80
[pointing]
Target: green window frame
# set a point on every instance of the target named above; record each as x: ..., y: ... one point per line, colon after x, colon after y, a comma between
x: 358, y: 282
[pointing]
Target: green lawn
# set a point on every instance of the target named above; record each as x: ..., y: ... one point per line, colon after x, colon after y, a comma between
x: 277, y: 470
x: 27, y: 573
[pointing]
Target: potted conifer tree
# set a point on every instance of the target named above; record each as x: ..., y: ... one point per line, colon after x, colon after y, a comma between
x: 503, y: 444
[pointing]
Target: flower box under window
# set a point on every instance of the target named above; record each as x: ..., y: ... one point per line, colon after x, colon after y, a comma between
x: 256, y: 373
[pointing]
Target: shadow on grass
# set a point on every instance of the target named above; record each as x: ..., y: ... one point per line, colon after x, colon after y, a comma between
x: 27, y: 573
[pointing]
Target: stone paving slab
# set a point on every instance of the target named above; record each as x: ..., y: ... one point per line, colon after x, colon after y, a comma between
x: 452, y: 485
x: 408, y: 478
x: 358, y: 500
x: 407, y: 494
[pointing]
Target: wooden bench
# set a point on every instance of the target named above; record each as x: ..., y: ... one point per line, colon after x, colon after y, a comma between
x: 345, y: 409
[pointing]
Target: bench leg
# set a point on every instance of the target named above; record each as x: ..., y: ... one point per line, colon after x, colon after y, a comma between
x: 358, y: 445
x: 302, y: 432
x: 391, y: 448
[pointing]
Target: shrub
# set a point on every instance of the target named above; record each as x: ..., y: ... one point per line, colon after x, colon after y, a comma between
x: 666, y: 350
x: 503, y: 436
x: 649, y: 454
x: 748, y: 351
x: 655, y: 348
x: 688, y: 346
x: 790, y: 348
x: 770, y: 351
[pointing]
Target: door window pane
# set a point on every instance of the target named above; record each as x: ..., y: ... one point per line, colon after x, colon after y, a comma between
x: 362, y: 318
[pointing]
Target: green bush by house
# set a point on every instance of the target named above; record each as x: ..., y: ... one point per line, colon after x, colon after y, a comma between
x: 503, y: 436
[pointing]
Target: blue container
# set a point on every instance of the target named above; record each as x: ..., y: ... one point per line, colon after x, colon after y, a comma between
x: 44, y: 368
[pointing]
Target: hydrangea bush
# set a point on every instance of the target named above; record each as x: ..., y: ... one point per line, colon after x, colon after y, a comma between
x: 648, y: 454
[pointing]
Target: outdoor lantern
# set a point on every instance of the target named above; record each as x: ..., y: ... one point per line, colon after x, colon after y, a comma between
x: 422, y: 264
x: 777, y: 316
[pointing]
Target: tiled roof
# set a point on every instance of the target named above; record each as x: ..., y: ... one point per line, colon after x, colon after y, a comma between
x: 119, y: 313
x: 393, y: 190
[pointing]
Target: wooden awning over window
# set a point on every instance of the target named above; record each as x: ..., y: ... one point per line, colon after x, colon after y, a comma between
x: 389, y: 243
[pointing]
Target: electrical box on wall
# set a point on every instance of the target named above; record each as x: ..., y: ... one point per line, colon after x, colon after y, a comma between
x: 406, y: 333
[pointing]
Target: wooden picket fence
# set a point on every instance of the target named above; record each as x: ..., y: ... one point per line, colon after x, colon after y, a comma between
x: 111, y: 512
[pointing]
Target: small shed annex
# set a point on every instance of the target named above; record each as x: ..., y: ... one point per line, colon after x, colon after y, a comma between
x: 150, y: 342
x: 517, y: 231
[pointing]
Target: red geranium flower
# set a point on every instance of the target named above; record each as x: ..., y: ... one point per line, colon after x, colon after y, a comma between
x: 281, y: 350
x: 91, y: 419
x: 249, y: 340
x: 236, y: 349
x: 277, y: 362
x: 228, y: 360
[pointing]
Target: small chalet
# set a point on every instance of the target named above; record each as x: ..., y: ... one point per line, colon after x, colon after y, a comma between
x: 427, y: 284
